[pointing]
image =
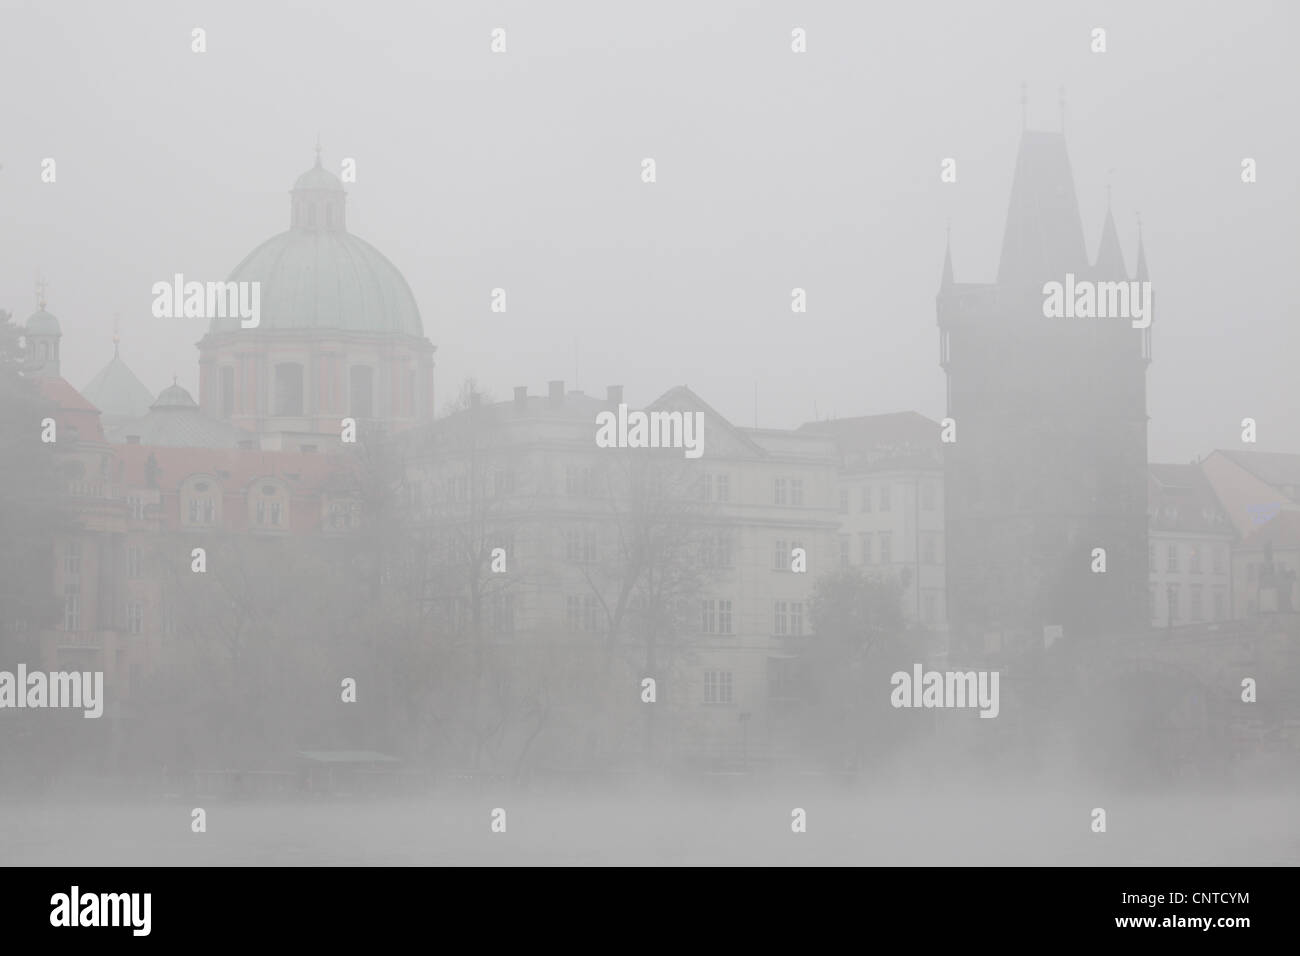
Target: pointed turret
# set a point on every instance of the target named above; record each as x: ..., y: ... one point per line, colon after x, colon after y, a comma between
x: 1044, y: 233
x: 1110, y: 257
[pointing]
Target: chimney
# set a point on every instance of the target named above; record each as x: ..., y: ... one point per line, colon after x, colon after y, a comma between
x: 556, y: 393
x: 614, y: 394
x: 246, y: 444
x: 521, y: 398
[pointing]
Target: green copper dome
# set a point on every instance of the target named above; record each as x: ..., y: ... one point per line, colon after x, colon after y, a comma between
x: 318, y: 276
x: 41, y: 322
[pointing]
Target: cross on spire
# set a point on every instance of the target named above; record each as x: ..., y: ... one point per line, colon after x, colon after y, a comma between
x: 318, y: 150
x: 41, y: 286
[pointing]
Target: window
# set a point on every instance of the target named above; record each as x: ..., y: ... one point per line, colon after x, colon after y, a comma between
x: 276, y: 513
x: 722, y: 487
x: 865, y: 543
x: 796, y: 492
x: 1171, y: 557
x: 72, y: 558
x: 929, y: 553
x: 844, y: 550
x: 928, y: 603
x: 136, y: 504
x: 717, y: 550
x: 844, y: 501
x: 227, y: 391
x: 133, y: 562
x: 724, y: 617
x: 866, y: 497
x: 927, y: 497
x: 1174, y: 602
x: 796, y: 618
x: 780, y: 624
x: 288, y: 389
x: 1194, y: 560
x: 135, y: 617
x: 578, y: 480
x: 886, y: 547
x: 362, y: 390
x: 72, y: 610
x: 1198, y: 608
x: 778, y: 491
x: 1220, y: 606
x: 717, y: 687
x: 884, y: 498
x: 709, y: 623
x: 781, y: 556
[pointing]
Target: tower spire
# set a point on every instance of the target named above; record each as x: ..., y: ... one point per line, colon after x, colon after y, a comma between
x: 41, y: 286
x: 117, y: 321
x: 318, y: 165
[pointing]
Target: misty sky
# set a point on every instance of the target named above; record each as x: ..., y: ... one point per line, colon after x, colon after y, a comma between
x: 775, y: 170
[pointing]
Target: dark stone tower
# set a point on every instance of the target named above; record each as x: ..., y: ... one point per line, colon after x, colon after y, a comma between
x: 1051, y: 428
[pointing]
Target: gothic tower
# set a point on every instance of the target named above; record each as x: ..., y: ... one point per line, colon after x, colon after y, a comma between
x: 1050, y: 456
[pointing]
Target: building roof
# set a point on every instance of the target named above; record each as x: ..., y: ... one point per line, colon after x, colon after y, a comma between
x: 1181, y: 499
x: 117, y: 392
x: 174, y: 421
x: 1043, y: 239
x: 1282, y: 532
x: 1279, y: 469
x: 897, y: 440
x: 72, y: 409
x: 1110, y: 257
x: 234, y: 468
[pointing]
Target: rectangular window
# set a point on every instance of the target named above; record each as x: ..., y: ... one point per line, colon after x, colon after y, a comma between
x: 865, y: 543
x: 590, y: 613
x: 1175, y: 602
x: 72, y: 611
x: 844, y: 550
x: 1194, y: 560
x: 866, y: 497
x: 886, y: 547
x: 844, y: 501
x: 276, y: 513
x: 884, y: 498
x: 133, y: 562
x: 778, y: 491
x: 72, y: 558
x: 1198, y: 608
x: 929, y: 554
x: 781, y: 556
x: 927, y: 497
x: 717, y: 687
x: 136, y: 503
x: 135, y: 617
x: 724, y: 617
x: 796, y: 492
x: 1171, y: 557
x: 779, y: 623
x: 796, y: 618
x: 722, y: 487
x: 1220, y: 606
x: 709, y: 616
x: 928, y: 603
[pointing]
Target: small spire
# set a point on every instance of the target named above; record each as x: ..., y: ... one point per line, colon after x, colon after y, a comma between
x: 173, y: 378
x: 1024, y: 105
x: 117, y: 321
x: 1142, y: 275
x: 1110, y: 257
x: 41, y: 286
x: 318, y: 166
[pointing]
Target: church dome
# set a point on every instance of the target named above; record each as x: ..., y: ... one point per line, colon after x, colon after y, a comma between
x: 318, y: 276
x: 41, y: 322
x: 175, y: 396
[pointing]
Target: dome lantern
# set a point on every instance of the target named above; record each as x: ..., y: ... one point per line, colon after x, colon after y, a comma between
x: 317, y: 200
